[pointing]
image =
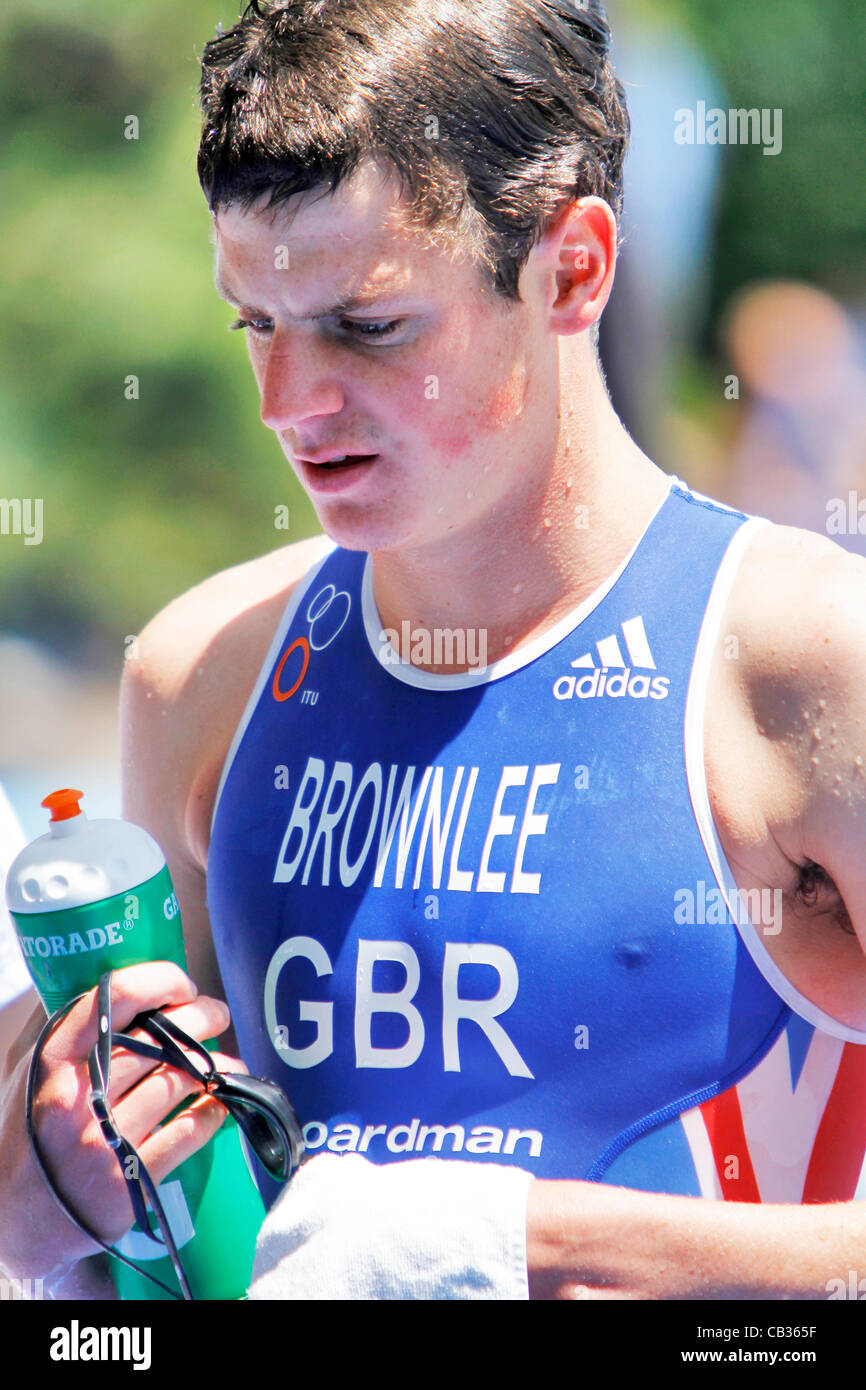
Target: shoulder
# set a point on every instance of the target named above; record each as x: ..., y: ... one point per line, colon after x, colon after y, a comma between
x: 798, y: 609
x: 186, y: 681
x: 789, y: 738
x: 232, y: 611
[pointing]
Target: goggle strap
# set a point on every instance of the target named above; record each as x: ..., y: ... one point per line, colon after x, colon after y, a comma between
x: 139, y: 1178
x: 259, y: 1107
x: 169, y: 1035
x: 58, y: 1198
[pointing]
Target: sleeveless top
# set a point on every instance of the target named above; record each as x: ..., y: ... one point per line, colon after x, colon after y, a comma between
x: 488, y: 915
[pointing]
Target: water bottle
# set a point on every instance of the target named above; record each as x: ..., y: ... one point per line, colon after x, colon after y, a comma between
x: 96, y: 895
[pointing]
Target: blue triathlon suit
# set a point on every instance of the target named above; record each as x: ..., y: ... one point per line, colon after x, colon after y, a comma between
x: 488, y: 916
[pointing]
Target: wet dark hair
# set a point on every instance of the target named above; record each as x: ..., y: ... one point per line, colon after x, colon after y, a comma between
x: 494, y: 114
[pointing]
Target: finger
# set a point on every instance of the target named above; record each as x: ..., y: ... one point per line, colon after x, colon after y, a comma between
x: 134, y: 988
x: 203, y: 1020
x: 146, y: 1106
x: 169, y: 1147
x: 86, y: 1170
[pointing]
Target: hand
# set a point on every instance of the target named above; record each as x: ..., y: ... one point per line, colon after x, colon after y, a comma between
x: 35, y: 1237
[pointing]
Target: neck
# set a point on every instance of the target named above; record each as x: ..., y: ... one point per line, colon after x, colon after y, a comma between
x: 519, y: 570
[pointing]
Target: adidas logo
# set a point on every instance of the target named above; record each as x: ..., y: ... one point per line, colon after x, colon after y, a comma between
x: 626, y: 680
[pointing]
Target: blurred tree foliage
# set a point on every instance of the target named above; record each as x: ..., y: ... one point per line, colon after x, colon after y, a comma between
x: 802, y: 213
x: 107, y: 274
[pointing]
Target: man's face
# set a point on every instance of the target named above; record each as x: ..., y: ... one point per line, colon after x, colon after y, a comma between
x: 450, y: 389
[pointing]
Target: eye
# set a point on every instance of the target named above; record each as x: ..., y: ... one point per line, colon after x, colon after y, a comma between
x: 368, y: 328
x: 255, y: 324
x: 365, y: 329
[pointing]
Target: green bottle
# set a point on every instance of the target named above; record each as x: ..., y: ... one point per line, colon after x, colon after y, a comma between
x: 96, y: 895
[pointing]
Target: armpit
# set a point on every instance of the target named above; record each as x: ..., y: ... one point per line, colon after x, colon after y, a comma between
x: 816, y: 895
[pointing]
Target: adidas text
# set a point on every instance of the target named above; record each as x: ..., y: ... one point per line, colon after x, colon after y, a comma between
x: 599, y: 682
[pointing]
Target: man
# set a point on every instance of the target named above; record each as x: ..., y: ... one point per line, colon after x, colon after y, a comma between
x: 489, y: 903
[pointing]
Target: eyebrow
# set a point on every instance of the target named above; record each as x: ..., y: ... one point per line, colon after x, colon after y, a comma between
x: 346, y: 306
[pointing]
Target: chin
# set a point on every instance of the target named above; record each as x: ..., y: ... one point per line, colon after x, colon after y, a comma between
x: 364, y: 528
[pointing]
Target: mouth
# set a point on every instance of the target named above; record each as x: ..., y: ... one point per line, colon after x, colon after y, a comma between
x: 327, y: 475
x: 346, y: 461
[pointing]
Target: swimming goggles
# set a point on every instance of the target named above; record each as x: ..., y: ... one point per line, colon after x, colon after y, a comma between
x: 260, y: 1107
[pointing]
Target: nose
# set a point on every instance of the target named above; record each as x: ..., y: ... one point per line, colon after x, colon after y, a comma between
x: 296, y: 384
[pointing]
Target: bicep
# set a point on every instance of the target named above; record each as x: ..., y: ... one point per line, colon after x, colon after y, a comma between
x: 159, y: 785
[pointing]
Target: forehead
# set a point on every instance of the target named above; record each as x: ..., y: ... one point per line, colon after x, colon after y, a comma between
x: 356, y: 237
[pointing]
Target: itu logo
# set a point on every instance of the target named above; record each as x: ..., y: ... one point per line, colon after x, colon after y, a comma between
x: 613, y: 676
x: 326, y: 615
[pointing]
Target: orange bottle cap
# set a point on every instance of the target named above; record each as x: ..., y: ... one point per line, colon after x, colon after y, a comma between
x: 63, y: 804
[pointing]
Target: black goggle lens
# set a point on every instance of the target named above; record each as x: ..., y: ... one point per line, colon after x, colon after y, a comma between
x: 263, y: 1112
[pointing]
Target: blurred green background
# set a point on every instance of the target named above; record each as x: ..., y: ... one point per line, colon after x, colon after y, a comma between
x: 106, y: 272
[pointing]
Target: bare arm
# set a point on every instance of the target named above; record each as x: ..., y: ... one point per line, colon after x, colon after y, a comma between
x: 166, y: 779
x: 182, y: 697
x: 14, y: 1019
x: 590, y: 1241
x: 20, y: 1023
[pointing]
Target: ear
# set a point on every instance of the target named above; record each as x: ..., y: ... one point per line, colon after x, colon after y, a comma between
x: 577, y: 258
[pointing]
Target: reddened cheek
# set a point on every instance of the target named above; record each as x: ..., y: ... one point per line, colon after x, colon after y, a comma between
x: 502, y: 407
x: 455, y: 442
x: 507, y: 401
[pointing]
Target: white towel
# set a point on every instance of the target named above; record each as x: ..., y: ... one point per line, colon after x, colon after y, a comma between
x: 427, y: 1228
